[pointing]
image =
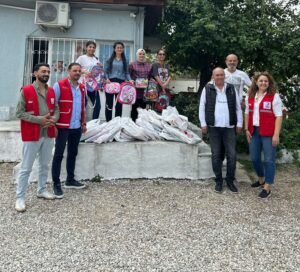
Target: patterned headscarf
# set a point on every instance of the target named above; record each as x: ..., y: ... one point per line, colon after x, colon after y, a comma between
x: 138, y: 52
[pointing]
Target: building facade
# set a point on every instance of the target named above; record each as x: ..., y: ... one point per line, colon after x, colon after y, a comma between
x: 25, y: 43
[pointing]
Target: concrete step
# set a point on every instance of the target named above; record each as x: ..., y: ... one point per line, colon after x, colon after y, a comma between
x: 134, y: 160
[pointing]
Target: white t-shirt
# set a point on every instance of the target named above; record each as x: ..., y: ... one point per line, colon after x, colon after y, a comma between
x: 87, y: 62
x: 239, y: 80
x: 276, y: 106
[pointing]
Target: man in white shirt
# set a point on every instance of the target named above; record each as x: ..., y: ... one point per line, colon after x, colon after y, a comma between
x: 221, y: 116
x: 237, y: 78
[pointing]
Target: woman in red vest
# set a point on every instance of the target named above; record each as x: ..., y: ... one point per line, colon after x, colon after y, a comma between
x: 263, y: 119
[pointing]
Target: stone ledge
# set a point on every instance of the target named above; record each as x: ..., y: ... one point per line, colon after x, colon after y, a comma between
x: 134, y: 160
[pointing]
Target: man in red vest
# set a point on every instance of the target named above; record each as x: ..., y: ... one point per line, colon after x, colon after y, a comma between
x: 71, y: 124
x: 38, y: 112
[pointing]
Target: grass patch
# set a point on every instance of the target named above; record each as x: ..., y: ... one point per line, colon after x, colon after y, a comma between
x: 97, y: 178
x: 247, y: 165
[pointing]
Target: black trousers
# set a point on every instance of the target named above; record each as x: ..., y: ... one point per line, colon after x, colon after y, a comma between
x: 95, y: 99
x: 139, y: 103
x: 110, y: 101
x: 72, y: 137
x: 223, y: 142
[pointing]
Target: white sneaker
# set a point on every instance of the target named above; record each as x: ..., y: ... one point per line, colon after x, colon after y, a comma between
x: 20, y: 205
x: 46, y: 195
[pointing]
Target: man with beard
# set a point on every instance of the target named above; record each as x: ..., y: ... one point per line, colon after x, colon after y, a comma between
x: 38, y: 113
x: 70, y: 97
x: 221, y: 117
x: 237, y: 78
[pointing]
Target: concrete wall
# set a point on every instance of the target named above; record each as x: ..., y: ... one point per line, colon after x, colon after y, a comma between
x: 16, y: 25
x: 184, y: 85
x: 155, y: 159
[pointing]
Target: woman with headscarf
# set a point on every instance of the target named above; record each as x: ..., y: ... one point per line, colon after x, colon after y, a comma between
x: 140, y: 72
x: 116, y: 70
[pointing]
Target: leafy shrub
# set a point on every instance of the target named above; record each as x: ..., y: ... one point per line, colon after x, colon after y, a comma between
x: 290, y: 134
x: 188, y: 105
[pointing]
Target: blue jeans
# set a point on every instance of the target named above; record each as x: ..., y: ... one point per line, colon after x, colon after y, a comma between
x: 42, y: 148
x: 257, y: 145
x: 223, y: 139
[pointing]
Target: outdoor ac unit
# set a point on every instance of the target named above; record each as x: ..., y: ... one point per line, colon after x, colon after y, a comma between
x: 52, y: 14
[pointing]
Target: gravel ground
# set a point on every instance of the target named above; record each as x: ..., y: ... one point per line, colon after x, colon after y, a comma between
x: 153, y: 225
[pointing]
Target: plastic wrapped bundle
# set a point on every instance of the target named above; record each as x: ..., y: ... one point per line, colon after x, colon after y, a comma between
x: 109, y: 131
x: 92, y: 130
x: 130, y: 128
x: 186, y: 136
x: 171, y: 115
x: 149, y: 129
x: 122, y: 137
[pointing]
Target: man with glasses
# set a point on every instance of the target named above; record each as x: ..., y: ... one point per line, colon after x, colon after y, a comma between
x: 221, y: 117
x: 71, y: 124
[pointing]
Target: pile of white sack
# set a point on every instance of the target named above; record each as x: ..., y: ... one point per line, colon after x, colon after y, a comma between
x: 149, y: 126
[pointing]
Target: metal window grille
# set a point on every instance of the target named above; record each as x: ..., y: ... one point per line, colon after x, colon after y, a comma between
x: 59, y: 53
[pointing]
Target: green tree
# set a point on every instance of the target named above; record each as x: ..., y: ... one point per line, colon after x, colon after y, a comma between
x: 264, y: 34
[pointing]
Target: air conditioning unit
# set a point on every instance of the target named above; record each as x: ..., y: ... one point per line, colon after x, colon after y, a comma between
x: 52, y: 14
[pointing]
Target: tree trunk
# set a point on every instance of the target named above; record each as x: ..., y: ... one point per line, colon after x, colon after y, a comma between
x: 205, y: 76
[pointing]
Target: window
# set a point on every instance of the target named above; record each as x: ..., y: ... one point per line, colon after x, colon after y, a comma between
x: 60, y: 52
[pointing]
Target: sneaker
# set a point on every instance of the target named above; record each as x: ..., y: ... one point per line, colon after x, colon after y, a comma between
x: 74, y: 184
x: 20, y: 205
x: 264, y: 194
x: 257, y: 184
x: 45, y: 195
x: 58, y: 192
x: 232, y: 188
x: 218, y: 188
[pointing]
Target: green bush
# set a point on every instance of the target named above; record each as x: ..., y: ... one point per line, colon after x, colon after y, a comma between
x: 188, y: 105
x: 290, y: 134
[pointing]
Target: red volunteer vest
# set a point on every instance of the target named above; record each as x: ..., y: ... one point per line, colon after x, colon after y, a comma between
x: 31, y: 131
x: 266, y: 116
x: 65, y: 104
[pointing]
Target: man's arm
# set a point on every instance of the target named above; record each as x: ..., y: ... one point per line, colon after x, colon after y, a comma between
x: 202, y: 111
x: 26, y: 116
x: 247, y: 80
x: 239, y: 113
x: 56, y: 114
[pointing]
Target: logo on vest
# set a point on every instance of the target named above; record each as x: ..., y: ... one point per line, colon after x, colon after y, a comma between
x: 52, y: 100
x: 267, y: 105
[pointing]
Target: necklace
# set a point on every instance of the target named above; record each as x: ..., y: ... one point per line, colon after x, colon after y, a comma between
x: 258, y: 96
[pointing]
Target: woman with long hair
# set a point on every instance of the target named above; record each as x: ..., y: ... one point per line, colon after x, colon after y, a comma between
x: 161, y: 70
x: 140, y: 72
x: 116, y: 70
x: 263, y: 120
x: 89, y: 63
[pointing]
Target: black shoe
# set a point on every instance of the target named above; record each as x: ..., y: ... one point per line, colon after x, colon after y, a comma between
x: 232, y: 187
x: 264, y: 194
x: 58, y: 192
x: 218, y: 187
x: 74, y: 184
x: 257, y: 184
